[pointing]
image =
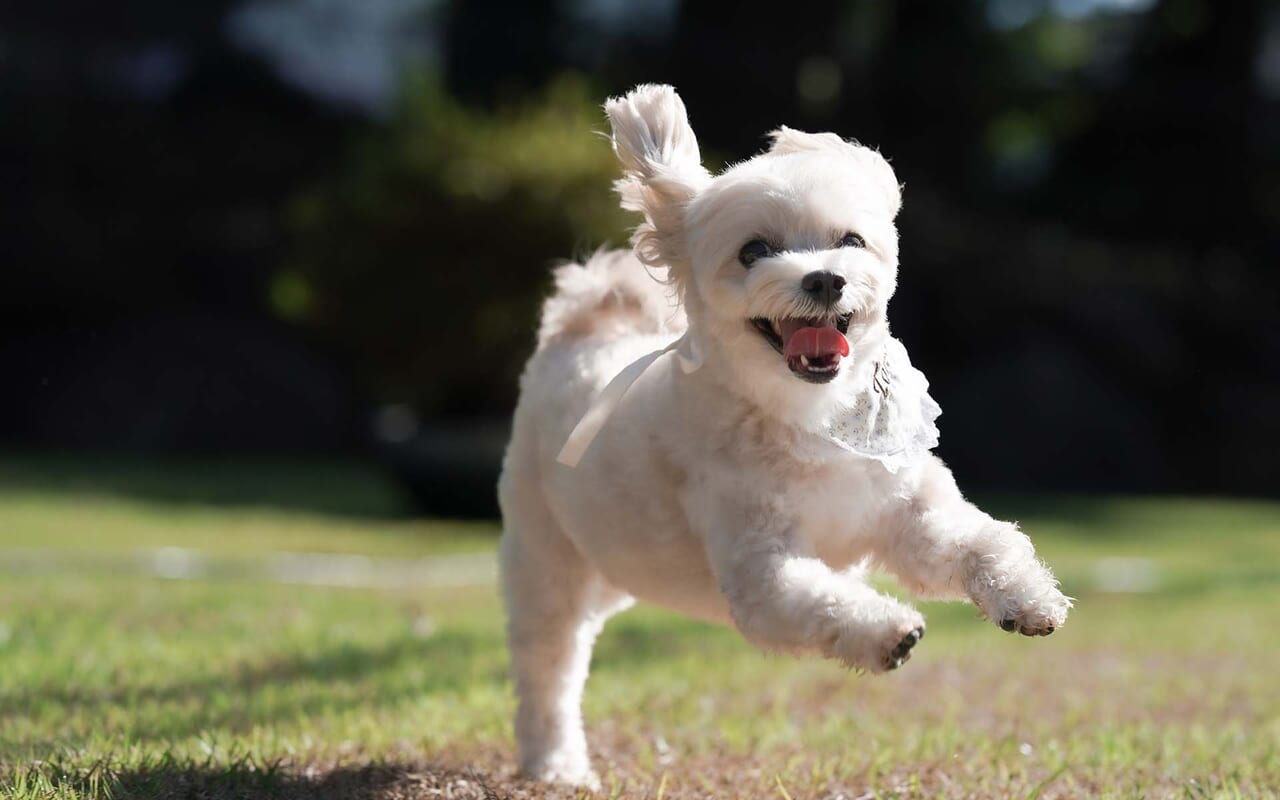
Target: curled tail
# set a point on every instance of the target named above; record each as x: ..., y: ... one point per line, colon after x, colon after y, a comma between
x: 610, y: 295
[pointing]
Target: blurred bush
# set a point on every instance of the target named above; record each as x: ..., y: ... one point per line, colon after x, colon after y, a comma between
x: 426, y: 258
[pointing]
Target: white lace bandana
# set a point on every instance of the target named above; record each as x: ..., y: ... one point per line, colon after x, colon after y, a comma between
x: 888, y: 417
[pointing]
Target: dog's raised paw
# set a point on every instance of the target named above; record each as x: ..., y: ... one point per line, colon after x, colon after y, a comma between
x: 1021, y: 598
x: 902, y: 652
x: 883, y: 645
x: 1011, y: 625
x: 1039, y: 619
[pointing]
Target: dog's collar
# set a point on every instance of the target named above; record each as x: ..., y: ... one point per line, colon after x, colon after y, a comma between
x: 889, y: 416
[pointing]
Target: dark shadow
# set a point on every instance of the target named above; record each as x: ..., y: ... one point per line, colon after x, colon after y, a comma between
x: 342, y: 677
x: 318, y: 485
x: 450, y: 468
x: 170, y: 779
x: 452, y: 661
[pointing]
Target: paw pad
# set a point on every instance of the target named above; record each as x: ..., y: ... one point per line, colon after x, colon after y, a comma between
x: 902, y: 652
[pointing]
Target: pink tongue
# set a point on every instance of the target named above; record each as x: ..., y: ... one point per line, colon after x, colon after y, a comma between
x: 815, y: 342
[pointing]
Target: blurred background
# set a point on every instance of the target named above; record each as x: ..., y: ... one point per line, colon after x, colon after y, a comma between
x: 321, y: 229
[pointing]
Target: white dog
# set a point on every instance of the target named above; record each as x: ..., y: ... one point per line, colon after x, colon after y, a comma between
x: 749, y: 432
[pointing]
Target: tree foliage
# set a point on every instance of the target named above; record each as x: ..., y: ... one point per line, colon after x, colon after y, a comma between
x: 427, y: 256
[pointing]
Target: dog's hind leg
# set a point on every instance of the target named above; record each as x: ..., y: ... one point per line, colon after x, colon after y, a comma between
x: 556, y: 606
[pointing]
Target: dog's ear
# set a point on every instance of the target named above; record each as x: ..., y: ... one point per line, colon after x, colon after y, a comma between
x: 789, y: 140
x: 662, y: 170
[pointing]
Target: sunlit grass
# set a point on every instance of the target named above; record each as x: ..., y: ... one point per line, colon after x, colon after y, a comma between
x: 130, y: 685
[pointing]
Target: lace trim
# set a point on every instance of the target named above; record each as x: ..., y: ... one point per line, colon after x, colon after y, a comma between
x: 891, y: 418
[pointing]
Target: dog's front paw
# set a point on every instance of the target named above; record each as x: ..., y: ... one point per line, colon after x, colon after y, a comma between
x: 883, y: 643
x: 1026, y: 600
x: 902, y: 650
x: 1040, y: 618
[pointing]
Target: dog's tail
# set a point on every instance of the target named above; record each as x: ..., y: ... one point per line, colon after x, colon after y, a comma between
x: 612, y: 294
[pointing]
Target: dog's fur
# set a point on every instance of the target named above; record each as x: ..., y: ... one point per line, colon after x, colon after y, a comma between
x: 711, y: 493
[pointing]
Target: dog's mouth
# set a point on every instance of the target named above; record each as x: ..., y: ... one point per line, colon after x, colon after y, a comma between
x: 812, y: 346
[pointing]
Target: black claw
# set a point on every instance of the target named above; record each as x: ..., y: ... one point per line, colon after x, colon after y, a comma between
x: 1047, y: 631
x: 1008, y: 625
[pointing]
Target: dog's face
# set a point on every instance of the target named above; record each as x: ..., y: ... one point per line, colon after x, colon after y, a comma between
x: 793, y: 256
x: 785, y: 262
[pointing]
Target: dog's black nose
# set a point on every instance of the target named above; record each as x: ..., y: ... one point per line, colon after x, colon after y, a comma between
x: 825, y: 287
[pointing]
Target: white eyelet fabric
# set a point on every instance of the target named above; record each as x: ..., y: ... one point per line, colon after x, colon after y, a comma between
x: 891, y: 417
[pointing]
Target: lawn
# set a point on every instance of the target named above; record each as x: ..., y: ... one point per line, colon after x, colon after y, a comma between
x: 255, y: 630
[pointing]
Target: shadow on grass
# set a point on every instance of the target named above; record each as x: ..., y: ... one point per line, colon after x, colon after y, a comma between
x: 323, y: 486
x: 236, y: 700
x: 332, y: 681
x: 344, y: 677
x: 246, y: 779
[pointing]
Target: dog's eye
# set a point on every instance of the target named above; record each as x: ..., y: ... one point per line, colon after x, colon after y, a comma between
x: 852, y: 240
x: 752, y: 250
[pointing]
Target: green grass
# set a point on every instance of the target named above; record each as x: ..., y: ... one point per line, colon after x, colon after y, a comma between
x: 117, y: 683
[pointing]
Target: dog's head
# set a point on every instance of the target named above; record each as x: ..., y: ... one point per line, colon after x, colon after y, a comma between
x: 785, y: 263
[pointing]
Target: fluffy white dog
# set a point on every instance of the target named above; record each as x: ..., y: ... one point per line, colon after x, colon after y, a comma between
x: 734, y: 440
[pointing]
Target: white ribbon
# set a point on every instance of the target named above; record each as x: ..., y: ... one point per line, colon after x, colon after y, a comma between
x: 584, y: 433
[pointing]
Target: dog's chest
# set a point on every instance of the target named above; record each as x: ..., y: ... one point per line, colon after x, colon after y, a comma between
x: 839, y: 508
